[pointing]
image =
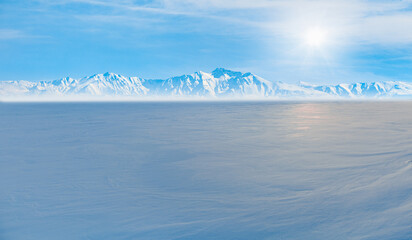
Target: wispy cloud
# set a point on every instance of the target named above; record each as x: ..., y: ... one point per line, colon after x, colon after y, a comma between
x: 6, y: 34
x: 365, y: 22
x: 14, y: 34
x: 387, y: 29
x: 233, y: 33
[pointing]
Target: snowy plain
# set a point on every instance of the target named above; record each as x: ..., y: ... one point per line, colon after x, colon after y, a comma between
x: 209, y: 170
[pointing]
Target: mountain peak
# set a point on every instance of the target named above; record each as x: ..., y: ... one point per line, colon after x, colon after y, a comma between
x: 106, y: 75
x: 109, y: 74
x: 218, y: 72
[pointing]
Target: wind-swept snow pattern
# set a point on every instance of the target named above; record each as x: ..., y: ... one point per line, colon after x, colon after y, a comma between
x: 219, y: 84
x: 209, y: 170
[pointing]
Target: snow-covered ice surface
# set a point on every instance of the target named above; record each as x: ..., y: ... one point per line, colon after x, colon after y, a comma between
x: 214, y: 170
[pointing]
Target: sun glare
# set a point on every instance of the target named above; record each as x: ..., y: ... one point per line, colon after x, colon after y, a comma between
x: 315, y: 37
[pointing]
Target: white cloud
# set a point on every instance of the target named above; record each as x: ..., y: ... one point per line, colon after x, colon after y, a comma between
x: 389, y: 29
x: 351, y: 21
x: 358, y: 21
x: 11, y: 34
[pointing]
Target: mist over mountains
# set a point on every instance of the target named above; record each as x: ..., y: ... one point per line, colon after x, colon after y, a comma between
x: 221, y: 83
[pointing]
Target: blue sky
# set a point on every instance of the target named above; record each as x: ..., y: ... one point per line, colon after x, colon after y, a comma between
x: 360, y: 40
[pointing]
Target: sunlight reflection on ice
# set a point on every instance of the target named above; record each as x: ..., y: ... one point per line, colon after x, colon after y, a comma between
x: 206, y: 170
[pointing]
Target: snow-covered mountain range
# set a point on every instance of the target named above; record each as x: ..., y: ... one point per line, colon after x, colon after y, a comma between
x: 221, y: 83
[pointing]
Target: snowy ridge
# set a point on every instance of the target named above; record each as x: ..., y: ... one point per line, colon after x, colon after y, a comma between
x: 374, y: 89
x: 221, y: 83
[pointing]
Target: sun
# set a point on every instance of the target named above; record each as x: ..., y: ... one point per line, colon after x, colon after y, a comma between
x: 315, y: 37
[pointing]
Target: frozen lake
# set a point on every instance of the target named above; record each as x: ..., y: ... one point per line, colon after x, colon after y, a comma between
x: 257, y: 170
